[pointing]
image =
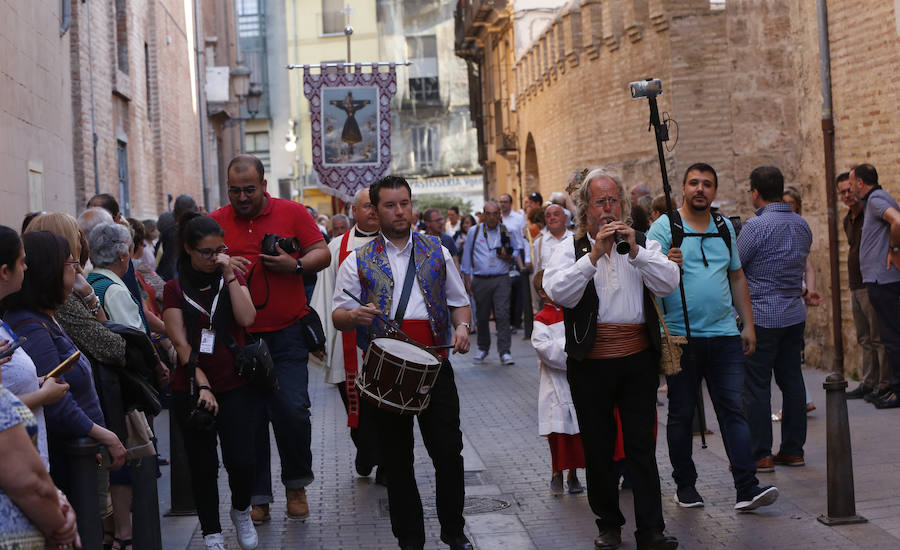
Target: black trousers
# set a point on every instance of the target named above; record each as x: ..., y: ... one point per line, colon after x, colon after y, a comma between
x: 439, y: 425
x: 364, y: 436
x: 629, y: 382
x: 239, y: 415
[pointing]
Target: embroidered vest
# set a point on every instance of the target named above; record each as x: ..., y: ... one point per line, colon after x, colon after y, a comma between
x: 377, y: 284
x: 581, y: 321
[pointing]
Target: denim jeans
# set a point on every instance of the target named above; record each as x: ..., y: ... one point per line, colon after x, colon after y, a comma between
x: 778, y: 352
x: 288, y: 410
x: 720, y: 360
x: 886, y: 301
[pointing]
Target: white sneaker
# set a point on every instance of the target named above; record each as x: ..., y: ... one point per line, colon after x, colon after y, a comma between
x: 215, y: 541
x: 246, y: 532
x: 479, y: 357
x: 507, y: 359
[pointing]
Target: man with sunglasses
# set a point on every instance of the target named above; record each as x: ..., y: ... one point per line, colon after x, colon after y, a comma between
x: 276, y: 287
x: 716, y: 351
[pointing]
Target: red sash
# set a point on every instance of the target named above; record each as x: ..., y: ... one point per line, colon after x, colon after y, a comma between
x: 348, y: 343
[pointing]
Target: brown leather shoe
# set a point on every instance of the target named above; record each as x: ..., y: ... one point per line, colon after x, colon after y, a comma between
x: 297, y: 507
x: 787, y: 460
x: 260, y: 514
x: 766, y: 464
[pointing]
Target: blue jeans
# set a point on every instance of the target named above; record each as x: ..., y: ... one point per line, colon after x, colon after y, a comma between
x: 778, y: 351
x: 288, y: 410
x: 720, y: 360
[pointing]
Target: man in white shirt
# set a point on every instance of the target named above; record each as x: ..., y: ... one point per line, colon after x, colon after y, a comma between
x: 434, y: 311
x: 342, y: 356
x: 613, y: 343
x: 554, y: 232
x: 515, y: 223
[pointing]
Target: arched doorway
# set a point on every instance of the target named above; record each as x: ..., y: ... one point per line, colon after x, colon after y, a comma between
x: 532, y: 177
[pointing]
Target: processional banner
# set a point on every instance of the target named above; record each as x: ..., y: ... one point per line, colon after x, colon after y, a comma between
x: 350, y: 118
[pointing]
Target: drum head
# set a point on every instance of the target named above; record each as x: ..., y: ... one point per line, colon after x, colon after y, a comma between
x: 405, y: 350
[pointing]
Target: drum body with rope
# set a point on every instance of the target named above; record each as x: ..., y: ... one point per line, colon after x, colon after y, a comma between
x: 398, y: 375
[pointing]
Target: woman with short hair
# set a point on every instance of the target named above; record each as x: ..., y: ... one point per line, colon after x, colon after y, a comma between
x: 111, y: 247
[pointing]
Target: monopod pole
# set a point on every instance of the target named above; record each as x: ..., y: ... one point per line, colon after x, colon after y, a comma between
x: 662, y: 134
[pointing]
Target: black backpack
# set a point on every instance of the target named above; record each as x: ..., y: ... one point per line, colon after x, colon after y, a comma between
x: 678, y: 233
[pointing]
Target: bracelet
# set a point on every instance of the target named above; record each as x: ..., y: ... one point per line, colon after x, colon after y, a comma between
x: 231, y: 280
x: 94, y: 309
x: 201, y: 388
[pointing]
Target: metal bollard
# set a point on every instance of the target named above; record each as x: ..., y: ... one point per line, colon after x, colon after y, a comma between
x: 180, y: 481
x: 841, y: 496
x: 83, y: 494
x: 145, y: 505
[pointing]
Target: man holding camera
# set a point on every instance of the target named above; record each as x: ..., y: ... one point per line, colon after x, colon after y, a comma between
x: 258, y: 228
x: 415, y: 283
x: 488, y: 252
x: 605, y: 277
x: 713, y: 280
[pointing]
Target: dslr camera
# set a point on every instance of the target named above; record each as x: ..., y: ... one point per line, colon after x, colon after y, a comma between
x: 201, y: 419
x: 651, y: 87
x: 505, y: 244
x: 270, y: 240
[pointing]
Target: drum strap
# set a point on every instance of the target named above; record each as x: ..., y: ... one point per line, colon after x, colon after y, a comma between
x: 407, y: 285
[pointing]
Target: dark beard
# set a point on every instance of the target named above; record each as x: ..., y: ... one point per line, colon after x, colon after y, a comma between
x: 390, y: 233
x: 698, y: 208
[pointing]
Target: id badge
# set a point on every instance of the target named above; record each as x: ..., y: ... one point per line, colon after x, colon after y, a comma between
x: 207, y: 340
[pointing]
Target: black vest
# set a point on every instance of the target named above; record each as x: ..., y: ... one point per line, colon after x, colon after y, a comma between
x: 581, y: 321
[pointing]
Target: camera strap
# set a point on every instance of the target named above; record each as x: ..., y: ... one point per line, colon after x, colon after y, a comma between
x: 407, y: 284
x: 265, y: 280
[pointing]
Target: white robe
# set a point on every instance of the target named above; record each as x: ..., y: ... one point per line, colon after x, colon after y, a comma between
x: 556, y: 411
x: 321, y: 302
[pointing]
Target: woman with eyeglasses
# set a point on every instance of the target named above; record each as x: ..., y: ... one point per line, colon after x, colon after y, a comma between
x: 206, y: 310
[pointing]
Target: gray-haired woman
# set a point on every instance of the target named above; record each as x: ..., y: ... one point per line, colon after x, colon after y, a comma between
x: 111, y: 246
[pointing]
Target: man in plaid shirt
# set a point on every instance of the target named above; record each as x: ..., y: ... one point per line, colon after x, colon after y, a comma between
x: 773, y: 247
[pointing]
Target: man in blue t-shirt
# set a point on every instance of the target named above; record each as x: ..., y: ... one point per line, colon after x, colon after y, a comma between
x: 716, y: 350
x: 879, y: 262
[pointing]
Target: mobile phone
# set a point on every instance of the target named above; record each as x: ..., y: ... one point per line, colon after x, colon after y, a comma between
x: 65, y: 366
x: 13, y: 347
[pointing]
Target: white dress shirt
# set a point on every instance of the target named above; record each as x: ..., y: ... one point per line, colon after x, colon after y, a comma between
x: 544, y: 246
x: 618, y: 278
x: 348, y: 278
x: 515, y: 223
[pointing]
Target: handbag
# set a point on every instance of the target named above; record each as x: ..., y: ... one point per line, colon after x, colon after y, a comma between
x: 254, y: 364
x: 670, y: 352
x: 139, y: 442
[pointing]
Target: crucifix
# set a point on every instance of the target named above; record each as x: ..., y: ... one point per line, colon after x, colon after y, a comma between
x: 348, y: 30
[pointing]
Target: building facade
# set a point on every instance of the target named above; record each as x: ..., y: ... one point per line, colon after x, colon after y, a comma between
x: 740, y: 77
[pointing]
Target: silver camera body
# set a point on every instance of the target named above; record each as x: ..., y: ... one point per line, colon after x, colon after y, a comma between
x: 651, y: 87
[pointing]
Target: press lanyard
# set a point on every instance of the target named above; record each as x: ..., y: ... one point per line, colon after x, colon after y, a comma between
x: 215, y: 303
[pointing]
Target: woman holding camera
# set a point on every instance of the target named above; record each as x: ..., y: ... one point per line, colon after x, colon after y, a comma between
x: 205, y: 311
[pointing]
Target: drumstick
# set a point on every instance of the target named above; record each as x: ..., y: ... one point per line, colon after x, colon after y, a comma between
x: 387, y: 320
x: 445, y: 346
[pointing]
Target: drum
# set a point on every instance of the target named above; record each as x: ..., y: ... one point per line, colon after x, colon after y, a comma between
x: 398, y: 375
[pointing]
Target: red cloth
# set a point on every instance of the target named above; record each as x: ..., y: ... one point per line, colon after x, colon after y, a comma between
x: 566, y: 451
x: 619, y: 453
x: 420, y: 331
x: 219, y: 365
x: 550, y: 315
x: 348, y: 345
x: 243, y: 236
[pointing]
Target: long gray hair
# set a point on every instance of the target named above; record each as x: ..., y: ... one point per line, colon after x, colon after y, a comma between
x: 582, y: 197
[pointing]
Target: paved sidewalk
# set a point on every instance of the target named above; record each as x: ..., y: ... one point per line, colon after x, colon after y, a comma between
x: 509, y: 505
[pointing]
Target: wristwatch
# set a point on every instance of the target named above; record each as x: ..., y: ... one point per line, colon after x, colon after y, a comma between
x: 464, y: 324
x: 299, y: 269
x: 895, y: 249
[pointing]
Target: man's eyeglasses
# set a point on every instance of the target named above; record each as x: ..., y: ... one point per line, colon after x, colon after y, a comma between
x: 249, y: 190
x: 601, y: 203
x: 210, y: 252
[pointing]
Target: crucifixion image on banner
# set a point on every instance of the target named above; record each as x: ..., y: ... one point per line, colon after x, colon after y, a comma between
x: 350, y: 135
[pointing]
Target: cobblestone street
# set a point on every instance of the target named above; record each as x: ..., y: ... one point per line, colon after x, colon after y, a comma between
x: 509, y: 505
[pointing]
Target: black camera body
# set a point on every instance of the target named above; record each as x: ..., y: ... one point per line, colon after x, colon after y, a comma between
x: 289, y: 244
x: 201, y: 419
x: 505, y: 245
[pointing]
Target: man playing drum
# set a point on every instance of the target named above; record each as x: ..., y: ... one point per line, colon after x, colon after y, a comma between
x: 413, y: 280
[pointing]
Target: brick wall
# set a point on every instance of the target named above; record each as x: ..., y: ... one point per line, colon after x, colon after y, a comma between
x: 35, y: 110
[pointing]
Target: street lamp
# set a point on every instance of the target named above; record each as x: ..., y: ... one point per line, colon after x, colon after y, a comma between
x: 254, y: 97
x: 240, y: 79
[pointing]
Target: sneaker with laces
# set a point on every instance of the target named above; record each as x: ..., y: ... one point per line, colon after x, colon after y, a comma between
x: 214, y: 541
x: 688, y: 497
x: 507, y: 359
x: 479, y: 356
x: 754, y: 497
x: 246, y: 532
